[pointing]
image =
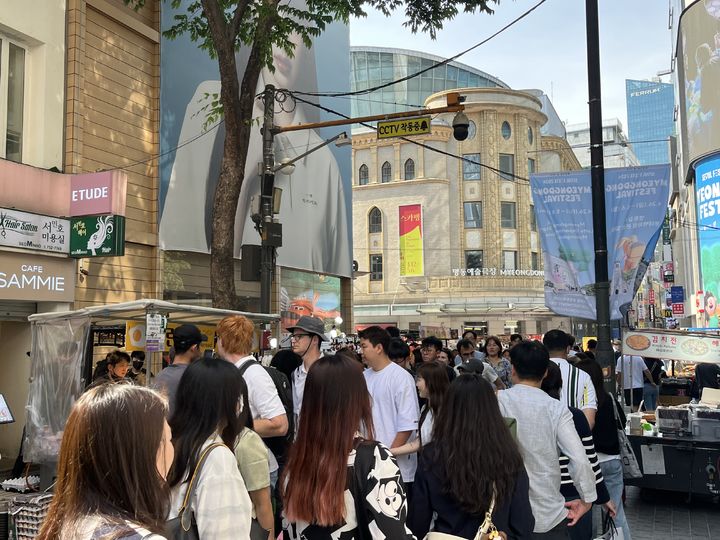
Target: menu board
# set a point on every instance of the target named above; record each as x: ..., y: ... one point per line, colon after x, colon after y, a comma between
x: 673, y: 346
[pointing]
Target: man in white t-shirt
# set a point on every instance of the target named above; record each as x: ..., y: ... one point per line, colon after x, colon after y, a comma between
x: 394, y: 400
x: 234, y: 344
x: 577, y: 388
x: 631, y: 373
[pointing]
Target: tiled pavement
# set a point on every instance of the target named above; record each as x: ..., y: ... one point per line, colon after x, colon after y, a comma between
x: 668, y: 517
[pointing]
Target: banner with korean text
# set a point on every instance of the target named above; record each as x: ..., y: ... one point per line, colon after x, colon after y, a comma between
x: 635, y: 200
x: 411, y: 240
x: 707, y: 191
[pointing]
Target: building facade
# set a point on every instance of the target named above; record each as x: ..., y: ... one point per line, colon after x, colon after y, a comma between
x: 650, y: 112
x: 475, y: 259
x: 617, y: 150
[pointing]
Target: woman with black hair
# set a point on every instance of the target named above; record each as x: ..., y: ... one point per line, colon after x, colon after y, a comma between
x: 472, y: 461
x: 209, y: 415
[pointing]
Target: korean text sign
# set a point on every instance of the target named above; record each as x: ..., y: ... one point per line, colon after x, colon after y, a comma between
x: 411, y: 240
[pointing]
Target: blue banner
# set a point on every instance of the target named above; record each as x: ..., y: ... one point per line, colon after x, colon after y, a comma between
x: 636, y: 201
x: 707, y: 197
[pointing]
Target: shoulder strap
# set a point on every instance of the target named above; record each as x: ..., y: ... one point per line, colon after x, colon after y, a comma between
x: 247, y: 365
x: 194, y: 478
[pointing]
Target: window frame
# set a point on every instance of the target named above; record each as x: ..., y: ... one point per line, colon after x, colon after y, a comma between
x: 533, y: 219
x: 363, y: 175
x: 508, y: 204
x: 5, y: 43
x: 411, y: 163
x: 482, y: 259
x: 505, y: 252
x: 466, y: 205
x: 375, y: 224
x: 507, y: 175
x: 375, y: 260
x: 534, y: 260
x: 386, y: 172
x: 469, y: 175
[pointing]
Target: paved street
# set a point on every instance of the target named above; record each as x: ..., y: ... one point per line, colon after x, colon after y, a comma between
x: 668, y: 517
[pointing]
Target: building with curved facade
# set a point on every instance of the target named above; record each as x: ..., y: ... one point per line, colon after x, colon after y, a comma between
x: 444, y: 244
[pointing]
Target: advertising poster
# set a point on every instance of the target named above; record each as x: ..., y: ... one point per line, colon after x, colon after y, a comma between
x: 315, y: 209
x: 135, y: 336
x: 707, y: 197
x: 304, y: 293
x: 636, y: 201
x: 411, y: 240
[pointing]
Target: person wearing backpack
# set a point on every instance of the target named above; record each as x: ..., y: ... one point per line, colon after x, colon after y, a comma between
x: 305, y: 338
x: 269, y: 414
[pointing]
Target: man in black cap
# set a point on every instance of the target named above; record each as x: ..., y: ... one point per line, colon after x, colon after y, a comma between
x: 187, y: 339
x: 305, y: 338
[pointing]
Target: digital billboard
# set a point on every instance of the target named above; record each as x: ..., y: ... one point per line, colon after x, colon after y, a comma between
x: 316, y: 194
x: 707, y: 199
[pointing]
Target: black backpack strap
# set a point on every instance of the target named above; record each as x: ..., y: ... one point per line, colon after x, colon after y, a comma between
x: 247, y: 365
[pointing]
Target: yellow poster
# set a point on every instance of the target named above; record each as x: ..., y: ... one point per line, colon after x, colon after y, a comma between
x: 411, y: 241
x: 135, y: 336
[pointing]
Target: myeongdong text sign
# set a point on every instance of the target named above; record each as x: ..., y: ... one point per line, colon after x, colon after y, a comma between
x: 636, y: 201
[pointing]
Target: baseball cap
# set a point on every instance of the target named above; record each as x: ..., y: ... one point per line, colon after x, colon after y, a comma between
x: 312, y: 325
x: 188, y: 334
x: 472, y: 366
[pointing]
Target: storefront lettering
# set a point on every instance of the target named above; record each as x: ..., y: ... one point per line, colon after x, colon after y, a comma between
x: 90, y: 194
x: 35, y: 281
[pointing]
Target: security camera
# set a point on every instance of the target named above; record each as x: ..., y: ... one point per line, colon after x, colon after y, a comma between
x: 460, y: 124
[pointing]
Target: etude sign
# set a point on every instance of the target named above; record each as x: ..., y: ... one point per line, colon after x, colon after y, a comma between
x: 33, y: 231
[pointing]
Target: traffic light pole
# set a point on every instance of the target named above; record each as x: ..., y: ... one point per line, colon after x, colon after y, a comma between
x: 604, y: 353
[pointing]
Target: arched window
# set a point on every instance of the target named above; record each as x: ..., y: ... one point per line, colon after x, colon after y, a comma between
x: 363, y: 175
x: 386, y: 172
x: 375, y: 220
x: 409, y: 169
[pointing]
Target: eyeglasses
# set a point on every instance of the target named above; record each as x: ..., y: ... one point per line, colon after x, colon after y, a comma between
x: 295, y: 337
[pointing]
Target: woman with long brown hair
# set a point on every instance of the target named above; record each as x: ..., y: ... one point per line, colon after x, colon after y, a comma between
x: 432, y: 383
x: 115, y: 455
x: 336, y: 480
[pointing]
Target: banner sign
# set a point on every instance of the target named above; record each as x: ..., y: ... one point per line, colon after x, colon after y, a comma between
x: 672, y: 346
x: 97, y: 236
x: 636, y: 202
x: 33, y: 231
x: 36, y: 278
x: 419, y: 125
x: 136, y: 339
x: 707, y: 191
x: 411, y: 240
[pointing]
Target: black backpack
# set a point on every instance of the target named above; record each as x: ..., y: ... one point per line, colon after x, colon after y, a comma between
x: 278, y: 445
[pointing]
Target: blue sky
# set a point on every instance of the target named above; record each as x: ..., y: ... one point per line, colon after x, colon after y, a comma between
x: 546, y: 50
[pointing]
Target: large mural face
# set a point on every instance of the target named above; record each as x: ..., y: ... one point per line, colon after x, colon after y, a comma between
x: 316, y: 195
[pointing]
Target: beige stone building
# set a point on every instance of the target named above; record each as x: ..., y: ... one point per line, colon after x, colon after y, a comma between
x: 481, y: 255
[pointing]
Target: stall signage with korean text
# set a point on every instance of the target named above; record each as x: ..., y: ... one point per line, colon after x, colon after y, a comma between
x: 419, y: 125
x: 97, y: 236
x: 672, y: 346
x: 36, y: 278
x: 33, y: 231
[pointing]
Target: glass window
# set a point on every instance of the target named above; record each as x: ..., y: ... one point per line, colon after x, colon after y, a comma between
x: 15, y: 102
x: 376, y: 267
x: 533, y: 219
x: 375, y: 221
x: 474, y: 260
x: 386, y: 172
x: 530, y: 135
x: 531, y: 166
x: 507, y: 166
x: 409, y: 169
x: 363, y: 175
x: 471, y: 166
x: 509, y: 260
x: 505, y: 130
x: 473, y: 215
x: 508, y: 218
x: 534, y: 261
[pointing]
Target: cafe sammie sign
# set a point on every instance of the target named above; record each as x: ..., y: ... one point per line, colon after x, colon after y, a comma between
x: 36, y: 278
x: 97, y: 236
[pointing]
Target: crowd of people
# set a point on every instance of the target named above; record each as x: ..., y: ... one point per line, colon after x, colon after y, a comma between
x: 515, y: 442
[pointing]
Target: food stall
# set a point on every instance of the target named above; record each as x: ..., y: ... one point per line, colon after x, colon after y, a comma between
x: 681, y: 452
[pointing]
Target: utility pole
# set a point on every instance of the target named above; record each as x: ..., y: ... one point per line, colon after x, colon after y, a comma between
x: 604, y: 352
x: 267, y: 248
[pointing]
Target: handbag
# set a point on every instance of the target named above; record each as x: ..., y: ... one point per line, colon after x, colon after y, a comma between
x: 184, y: 526
x: 487, y: 530
x: 630, y: 465
x: 610, y: 530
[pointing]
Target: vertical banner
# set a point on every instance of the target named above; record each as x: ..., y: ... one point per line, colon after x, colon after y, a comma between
x: 636, y: 202
x: 411, y: 240
x: 707, y: 191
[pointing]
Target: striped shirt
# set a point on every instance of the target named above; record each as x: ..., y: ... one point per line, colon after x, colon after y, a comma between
x: 577, y: 388
x: 567, y: 488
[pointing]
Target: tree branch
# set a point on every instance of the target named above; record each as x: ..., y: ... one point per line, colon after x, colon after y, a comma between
x: 238, y: 16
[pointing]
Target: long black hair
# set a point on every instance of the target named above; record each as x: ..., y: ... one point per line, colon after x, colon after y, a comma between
x: 208, y: 400
x: 474, y: 446
x: 592, y: 368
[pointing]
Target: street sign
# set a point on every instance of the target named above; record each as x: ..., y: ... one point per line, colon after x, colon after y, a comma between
x: 679, y: 309
x: 419, y: 125
x: 97, y: 236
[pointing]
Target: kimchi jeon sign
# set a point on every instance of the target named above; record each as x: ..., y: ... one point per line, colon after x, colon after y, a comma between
x: 672, y: 346
x: 411, y: 240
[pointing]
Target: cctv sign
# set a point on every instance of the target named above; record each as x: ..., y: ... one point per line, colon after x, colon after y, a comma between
x: 419, y: 125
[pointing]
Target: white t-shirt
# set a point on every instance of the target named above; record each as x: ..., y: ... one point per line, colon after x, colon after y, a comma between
x: 262, y: 394
x: 577, y: 388
x: 426, y: 427
x: 394, y: 408
x: 632, y: 368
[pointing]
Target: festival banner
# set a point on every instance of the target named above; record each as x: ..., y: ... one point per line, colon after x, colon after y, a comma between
x: 636, y: 202
x: 411, y: 240
x: 707, y: 191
